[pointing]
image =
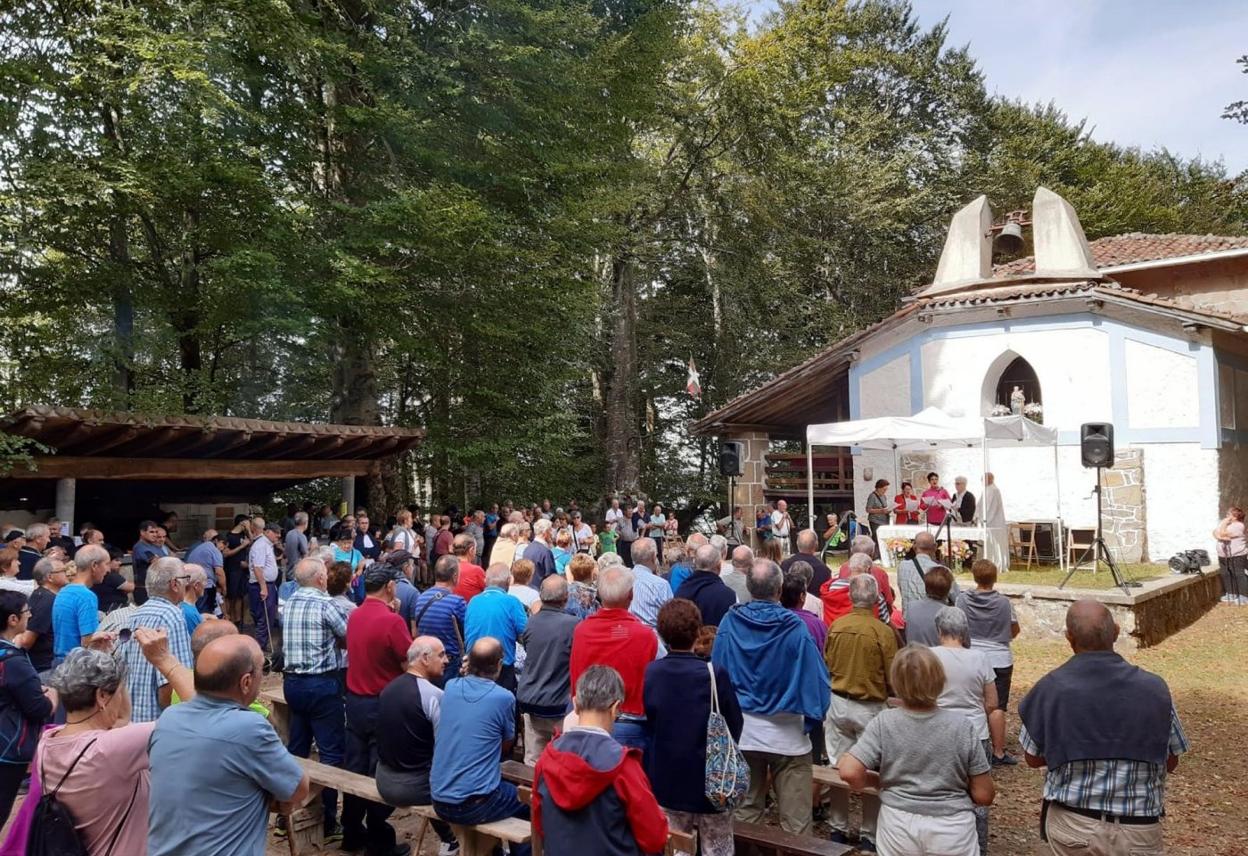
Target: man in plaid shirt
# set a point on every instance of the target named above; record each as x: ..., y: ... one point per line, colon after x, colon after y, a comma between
x: 315, y: 628
x: 150, y: 692
x: 1108, y: 733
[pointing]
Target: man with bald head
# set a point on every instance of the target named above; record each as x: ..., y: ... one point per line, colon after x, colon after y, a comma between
x: 1108, y: 733
x: 544, y: 690
x: 315, y: 630
x: 476, y: 731
x: 409, y: 714
x: 704, y: 587
x: 807, y: 548
x: 212, y: 744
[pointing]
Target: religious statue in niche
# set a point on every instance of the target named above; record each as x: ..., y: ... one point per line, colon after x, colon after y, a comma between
x: 1017, y: 400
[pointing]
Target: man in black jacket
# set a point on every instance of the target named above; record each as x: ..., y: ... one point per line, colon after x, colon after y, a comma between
x: 807, y: 546
x: 544, y: 687
x: 705, y: 588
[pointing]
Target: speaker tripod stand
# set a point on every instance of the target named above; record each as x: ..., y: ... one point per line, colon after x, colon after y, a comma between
x: 1098, y: 552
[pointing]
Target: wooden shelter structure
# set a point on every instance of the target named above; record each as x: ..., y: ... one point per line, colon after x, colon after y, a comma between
x: 102, y: 463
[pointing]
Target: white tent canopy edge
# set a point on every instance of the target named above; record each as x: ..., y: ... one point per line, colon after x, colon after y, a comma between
x: 932, y: 428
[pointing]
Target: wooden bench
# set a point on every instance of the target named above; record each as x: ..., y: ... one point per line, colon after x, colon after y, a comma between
x: 761, y: 838
x: 279, y: 711
x: 305, y: 825
x: 831, y: 777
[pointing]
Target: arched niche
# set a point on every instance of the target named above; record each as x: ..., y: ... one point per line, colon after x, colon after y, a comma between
x: 1006, y: 372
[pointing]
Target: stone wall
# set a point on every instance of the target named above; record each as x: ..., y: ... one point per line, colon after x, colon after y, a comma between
x: 1123, y: 497
x: 748, y: 490
x: 1145, y: 617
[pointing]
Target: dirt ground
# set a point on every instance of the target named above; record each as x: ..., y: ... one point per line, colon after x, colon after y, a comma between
x: 1207, y: 798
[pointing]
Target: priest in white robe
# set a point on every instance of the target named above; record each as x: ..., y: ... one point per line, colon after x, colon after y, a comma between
x: 992, y: 510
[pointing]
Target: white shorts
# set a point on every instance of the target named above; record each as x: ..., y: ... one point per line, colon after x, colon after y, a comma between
x: 904, y: 833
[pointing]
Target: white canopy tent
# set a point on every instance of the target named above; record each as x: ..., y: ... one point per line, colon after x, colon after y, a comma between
x: 932, y: 428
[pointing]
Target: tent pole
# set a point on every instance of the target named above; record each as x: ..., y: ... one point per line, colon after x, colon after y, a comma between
x: 810, y: 483
x: 1059, y: 535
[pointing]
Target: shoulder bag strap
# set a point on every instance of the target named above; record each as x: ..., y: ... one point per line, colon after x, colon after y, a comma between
x: 42, y: 771
x: 437, y: 597
x: 117, y: 832
x: 710, y: 667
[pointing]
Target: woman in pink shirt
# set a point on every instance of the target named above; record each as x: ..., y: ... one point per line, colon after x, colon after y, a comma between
x: 104, y: 754
x: 931, y: 499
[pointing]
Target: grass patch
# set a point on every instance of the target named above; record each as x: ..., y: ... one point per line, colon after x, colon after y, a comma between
x: 1083, y: 579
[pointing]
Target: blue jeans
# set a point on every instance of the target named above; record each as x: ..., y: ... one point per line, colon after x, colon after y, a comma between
x: 316, y: 712
x: 500, y: 804
x: 259, y: 608
x: 632, y: 733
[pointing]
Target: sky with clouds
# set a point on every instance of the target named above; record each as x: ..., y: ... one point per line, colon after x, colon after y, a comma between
x: 1147, y: 73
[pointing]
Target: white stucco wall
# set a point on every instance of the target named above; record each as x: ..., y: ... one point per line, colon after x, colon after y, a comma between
x: 1181, y: 498
x: 1163, y: 389
x: 889, y: 387
x: 1072, y: 365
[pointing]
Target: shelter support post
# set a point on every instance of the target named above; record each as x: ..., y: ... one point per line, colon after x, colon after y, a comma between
x: 348, y: 495
x: 66, y: 490
x: 810, y: 484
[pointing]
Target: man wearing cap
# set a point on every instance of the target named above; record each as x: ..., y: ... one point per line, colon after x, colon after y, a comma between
x: 262, y: 588
x: 406, y: 593
x: 377, y: 644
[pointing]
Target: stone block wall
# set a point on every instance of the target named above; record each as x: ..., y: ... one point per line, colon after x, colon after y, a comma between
x: 1123, y: 497
x: 748, y: 490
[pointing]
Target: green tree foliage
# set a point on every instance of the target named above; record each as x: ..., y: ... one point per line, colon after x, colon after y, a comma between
x: 511, y: 223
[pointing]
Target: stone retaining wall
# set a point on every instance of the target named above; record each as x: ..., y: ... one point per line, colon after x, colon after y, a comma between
x: 1147, y: 616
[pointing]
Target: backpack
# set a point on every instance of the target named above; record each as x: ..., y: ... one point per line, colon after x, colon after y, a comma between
x: 727, y: 773
x: 53, y: 831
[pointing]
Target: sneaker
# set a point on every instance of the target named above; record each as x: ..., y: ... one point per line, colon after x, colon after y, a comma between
x: 838, y: 837
x: 279, y: 827
x: 1226, y: 598
x: 1241, y: 600
x: 448, y: 848
x: 865, y: 845
x: 1006, y: 760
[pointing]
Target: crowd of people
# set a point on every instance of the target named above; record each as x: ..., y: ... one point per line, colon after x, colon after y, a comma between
x: 426, y: 654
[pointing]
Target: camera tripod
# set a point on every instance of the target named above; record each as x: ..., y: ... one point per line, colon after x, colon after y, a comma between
x: 1098, y: 552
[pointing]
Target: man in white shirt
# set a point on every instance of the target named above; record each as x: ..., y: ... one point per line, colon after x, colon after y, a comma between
x: 262, y: 587
x: 614, y: 513
x: 781, y: 526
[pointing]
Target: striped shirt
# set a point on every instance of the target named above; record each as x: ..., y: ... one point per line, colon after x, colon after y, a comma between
x: 650, y: 592
x: 444, y: 618
x: 1114, y: 786
x: 312, y: 625
x: 142, y: 679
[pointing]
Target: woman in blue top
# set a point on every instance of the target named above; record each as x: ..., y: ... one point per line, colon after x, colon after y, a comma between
x: 344, y: 551
x: 24, y: 703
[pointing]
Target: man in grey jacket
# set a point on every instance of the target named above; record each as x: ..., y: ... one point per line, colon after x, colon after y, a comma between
x: 544, y: 688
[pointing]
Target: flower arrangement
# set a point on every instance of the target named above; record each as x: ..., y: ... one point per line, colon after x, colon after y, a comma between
x: 961, y: 550
x: 999, y: 410
x: 898, y: 547
x: 1034, y: 411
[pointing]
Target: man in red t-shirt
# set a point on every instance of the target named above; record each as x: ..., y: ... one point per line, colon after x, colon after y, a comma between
x: 471, y: 575
x: 615, y: 637
x: 377, y: 643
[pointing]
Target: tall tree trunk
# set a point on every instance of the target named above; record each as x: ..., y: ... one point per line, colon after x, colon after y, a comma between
x: 123, y: 311
x: 184, y: 317
x: 622, y: 398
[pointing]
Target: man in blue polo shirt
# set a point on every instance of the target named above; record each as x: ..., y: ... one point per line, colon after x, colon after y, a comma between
x: 496, y: 613
x: 207, y: 554
x: 476, y: 729
x: 214, y: 745
x: 76, y: 610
